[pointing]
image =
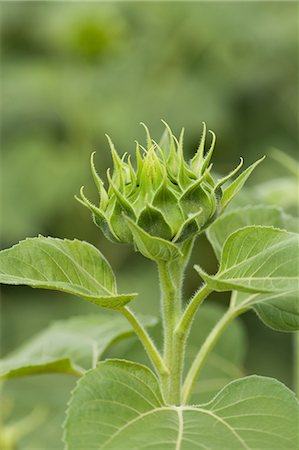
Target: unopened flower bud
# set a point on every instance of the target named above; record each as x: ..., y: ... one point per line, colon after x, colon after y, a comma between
x: 165, y: 199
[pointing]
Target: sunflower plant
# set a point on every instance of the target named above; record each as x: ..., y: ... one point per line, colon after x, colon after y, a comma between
x: 160, y: 203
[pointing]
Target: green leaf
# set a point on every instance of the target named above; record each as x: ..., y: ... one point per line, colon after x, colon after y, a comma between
x: 68, y: 346
x: 196, y: 198
x: 225, y: 362
x: 152, y: 247
x: 257, y: 259
x: 279, y: 311
x: 74, y: 266
x: 226, y: 224
x: 98, y: 216
x: 152, y: 221
x: 231, y: 191
x: 118, y: 405
x: 166, y: 201
x: 104, y: 226
x: 189, y: 228
x: 118, y: 225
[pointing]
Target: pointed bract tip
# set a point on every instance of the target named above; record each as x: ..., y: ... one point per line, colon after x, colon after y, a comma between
x: 148, y: 135
x: 115, y: 156
x: 168, y: 127
x: 83, y: 200
x: 204, y: 130
x: 124, y: 156
x: 79, y: 200
x: 213, y: 139
x: 92, y: 164
x: 108, y: 174
x: 82, y: 191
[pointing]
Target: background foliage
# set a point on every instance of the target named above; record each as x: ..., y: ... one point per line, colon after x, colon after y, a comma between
x: 72, y: 72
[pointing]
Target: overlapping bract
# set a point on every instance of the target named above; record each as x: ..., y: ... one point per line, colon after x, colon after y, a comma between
x: 164, y: 197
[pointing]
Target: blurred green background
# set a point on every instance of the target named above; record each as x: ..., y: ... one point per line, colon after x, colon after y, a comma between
x: 72, y: 72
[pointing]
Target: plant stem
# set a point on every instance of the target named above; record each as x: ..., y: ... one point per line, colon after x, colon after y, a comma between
x: 176, y: 333
x: 150, y: 348
x: 171, y: 310
x: 205, y: 349
x: 170, y: 306
x: 185, y: 323
x: 296, y: 362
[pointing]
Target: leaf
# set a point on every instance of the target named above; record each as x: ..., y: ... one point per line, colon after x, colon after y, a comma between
x: 194, y: 199
x: 280, y: 191
x: 257, y: 259
x: 153, y: 222
x: 67, y: 346
x: 116, y: 222
x: 74, y: 266
x: 99, y: 217
x: 189, y: 228
x: 166, y: 201
x: 231, y: 191
x: 226, y: 224
x: 118, y: 225
x: 119, y: 405
x: 279, y: 311
x: 152, y: 247
x: 225, y: 362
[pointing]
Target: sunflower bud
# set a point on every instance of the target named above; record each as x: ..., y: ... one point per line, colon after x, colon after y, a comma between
x: 165, y: 200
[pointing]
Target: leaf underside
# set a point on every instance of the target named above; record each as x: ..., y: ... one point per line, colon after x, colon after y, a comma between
x: 68, y: 346
x: 119, y: 405
x: 279, y: 311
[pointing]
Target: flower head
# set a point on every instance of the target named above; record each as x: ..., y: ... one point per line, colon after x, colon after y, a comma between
x: 163, y: 199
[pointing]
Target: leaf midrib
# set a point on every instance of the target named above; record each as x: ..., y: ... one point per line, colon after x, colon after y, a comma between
x: 179, y: 410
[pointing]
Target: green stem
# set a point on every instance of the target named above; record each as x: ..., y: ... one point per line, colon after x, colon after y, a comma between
x: 179, y: 333
x: 185, y: 323
x: 204, y: 351
x: 150, y: 348
x: 296, y: 362
x: 171, y: 310
x: 171, y: 307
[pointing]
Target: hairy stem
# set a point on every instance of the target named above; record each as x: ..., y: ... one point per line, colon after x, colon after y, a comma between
x: 185, y: 323
x: 150, y: 348
x: 171, y: 310
x: 179, y: 333
x: 205, y: 349
x: 296, y: 362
